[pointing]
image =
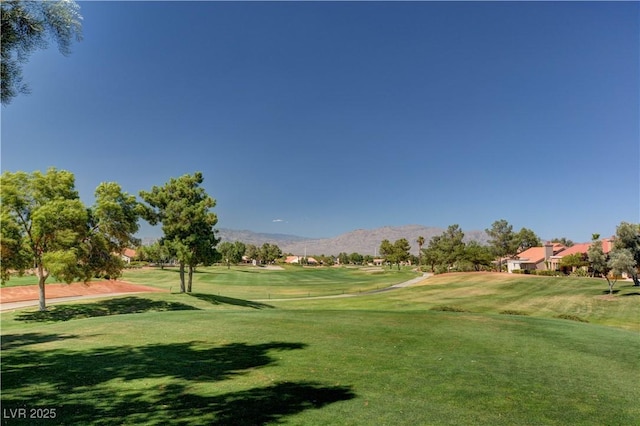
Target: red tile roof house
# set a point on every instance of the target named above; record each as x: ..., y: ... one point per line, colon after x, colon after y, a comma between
x: 128, y: 255
x: 582, y: 248
x: 535, y: 258
x: 550, y: 256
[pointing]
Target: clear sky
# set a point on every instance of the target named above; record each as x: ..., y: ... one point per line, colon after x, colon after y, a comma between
x: 318, y: 118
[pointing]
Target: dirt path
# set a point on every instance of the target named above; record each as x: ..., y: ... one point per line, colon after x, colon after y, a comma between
x: 22, y: 296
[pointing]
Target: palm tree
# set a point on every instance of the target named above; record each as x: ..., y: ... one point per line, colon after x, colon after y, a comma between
x: 420, y: 242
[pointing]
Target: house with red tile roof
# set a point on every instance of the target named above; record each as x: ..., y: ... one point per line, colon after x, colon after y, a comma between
x: 580, y: 248
x: 550, y: 255
x: 535, y: 258
x: 128, y: 255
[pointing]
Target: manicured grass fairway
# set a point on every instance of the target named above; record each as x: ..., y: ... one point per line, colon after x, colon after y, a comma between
x: 248, y: 282
x: 381, y: 359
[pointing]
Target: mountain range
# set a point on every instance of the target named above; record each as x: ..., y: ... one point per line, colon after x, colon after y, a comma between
x: 363, y: 241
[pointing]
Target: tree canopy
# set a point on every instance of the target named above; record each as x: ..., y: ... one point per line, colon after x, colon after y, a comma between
x: 46, y: 227
x: 27, y: 26
x: 231, y: 252
x: 183, y: 208
x: 628, y: 238
x: 395, y: 253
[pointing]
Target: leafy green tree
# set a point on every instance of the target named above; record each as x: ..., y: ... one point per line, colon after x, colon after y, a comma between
x: 241, y: 249
x: 45, y: 221
x: 269, y: 253
x: 451, y: 246
x: 156, y: 253
x: 387, y: 251
x: 525, y: 239
x: 356, y: 258
x: 343, y: 258
x: 445, y: 250
x: 231, y: 252
x: 49, y: 229
x: 574, y: 261
x: 478, y: 255
x: 113, y: 221
x: 401, y: 250
x: 184, y: 209
x: 431, y: 254
x: 252, y: 252
x: 628, y: 237
x: 227, y: 251
x: 27, y: 26
x: 597, y: 258
x: 501, y: 239
x: 621, y: 261
x: 395, y: 253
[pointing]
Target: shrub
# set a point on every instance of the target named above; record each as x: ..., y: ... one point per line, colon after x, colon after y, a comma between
x: 580, y: 272
x: 571, y: 317
x: 512, y: 312
x: 546, y: 273
x: 448, y: 309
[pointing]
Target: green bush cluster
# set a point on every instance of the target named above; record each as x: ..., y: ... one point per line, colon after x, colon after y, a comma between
x: 448, y: 309
x: 580, y: 272
x: 513, y: 312
x: 571, y: 317
x: 135, y: 264
x: 544, y: 273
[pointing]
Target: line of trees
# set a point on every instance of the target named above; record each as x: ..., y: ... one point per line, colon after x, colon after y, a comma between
x: 45, y: 227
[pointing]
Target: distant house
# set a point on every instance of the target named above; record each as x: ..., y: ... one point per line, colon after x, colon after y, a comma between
x: 550, y: 255
x: 378, y: 262
x: 128, y: 255
x: 581, y: 248
x: 535, y: 258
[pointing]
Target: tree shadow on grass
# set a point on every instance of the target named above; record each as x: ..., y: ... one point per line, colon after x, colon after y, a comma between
x: 118, y: 306
x: 221, y: 300
x: 12, y: 341
x: 174, y: 405
x: 167, y: 384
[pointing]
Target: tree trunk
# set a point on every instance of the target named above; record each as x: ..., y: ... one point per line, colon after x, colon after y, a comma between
x: 42, y: 277
x: 42, y: 306
x: 190, y: 278
x: 181, y: 277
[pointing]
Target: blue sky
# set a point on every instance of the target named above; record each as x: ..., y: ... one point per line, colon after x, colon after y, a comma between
x: 318, y: 118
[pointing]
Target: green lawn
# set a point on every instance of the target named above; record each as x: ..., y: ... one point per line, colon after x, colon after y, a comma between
x: 381, y: 359
x: 249, y: 282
